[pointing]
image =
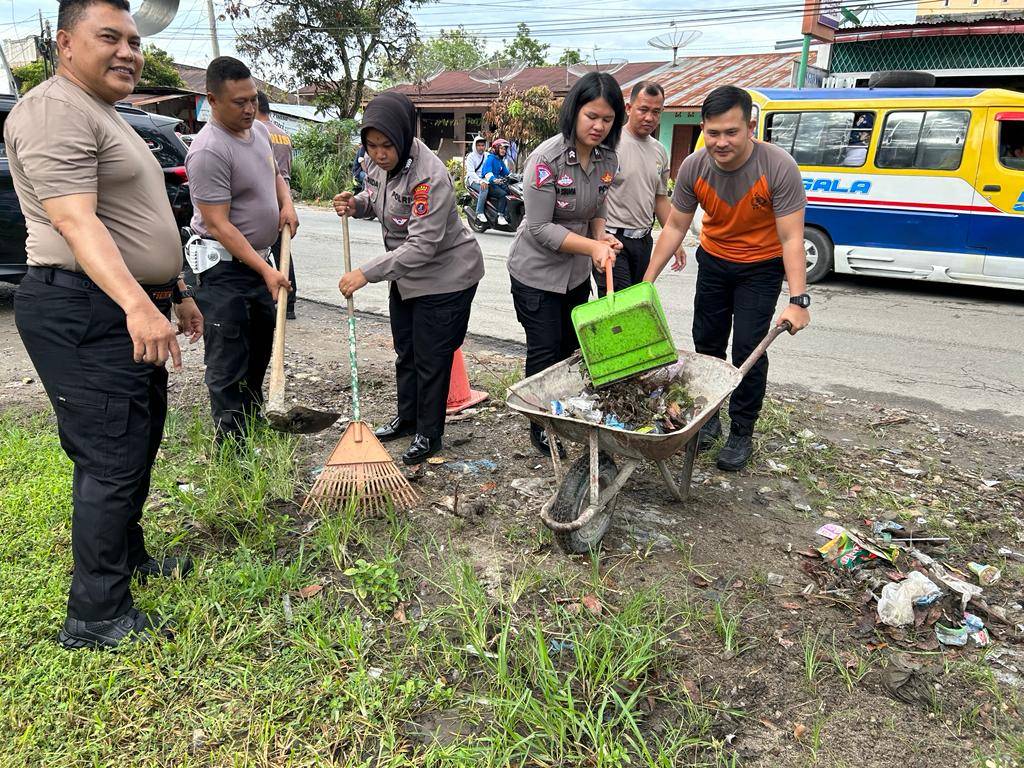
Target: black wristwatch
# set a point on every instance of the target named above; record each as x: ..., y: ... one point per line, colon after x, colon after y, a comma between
x: 803, y: 300
x: 178, y: 295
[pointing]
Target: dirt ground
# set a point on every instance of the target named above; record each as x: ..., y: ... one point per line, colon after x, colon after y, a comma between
x: 743, y: 542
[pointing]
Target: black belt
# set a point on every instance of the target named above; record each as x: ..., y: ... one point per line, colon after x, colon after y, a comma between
x: 68, y: 279
x: 632, y: 234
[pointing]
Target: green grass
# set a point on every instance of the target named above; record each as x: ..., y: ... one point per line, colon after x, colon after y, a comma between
x: 259, y: 676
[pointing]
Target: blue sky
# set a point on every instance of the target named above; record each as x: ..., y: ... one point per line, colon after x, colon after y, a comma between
x: 609, y: 28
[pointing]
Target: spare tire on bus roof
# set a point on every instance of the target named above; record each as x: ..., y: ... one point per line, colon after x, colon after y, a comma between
x: 899, y: 78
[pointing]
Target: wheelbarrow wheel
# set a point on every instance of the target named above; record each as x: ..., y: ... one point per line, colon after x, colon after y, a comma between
x: 574, y: 497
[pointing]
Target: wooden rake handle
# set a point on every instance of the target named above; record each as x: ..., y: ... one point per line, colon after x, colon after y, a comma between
x: 277, y: 354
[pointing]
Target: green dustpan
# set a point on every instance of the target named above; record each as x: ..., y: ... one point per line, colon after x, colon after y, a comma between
x: 624, y: 333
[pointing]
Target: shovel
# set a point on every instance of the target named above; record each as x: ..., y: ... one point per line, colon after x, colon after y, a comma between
x: 298, y: 418
x: 624, y: 333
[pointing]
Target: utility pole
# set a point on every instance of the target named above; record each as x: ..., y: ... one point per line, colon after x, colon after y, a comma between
x: 213, y: 28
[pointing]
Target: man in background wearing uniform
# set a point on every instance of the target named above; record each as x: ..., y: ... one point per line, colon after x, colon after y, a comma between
x: 752, y: 236
x: 640, y: 190
x: 242, y: 203
x: 104, y: 260
x: 281, y: 143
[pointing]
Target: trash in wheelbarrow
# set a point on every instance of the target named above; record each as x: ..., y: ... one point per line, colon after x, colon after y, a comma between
x: 658, y: 402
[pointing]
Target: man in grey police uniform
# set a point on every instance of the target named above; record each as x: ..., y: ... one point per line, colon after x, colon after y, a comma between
x: 242, y: 203
x: 104, y: 260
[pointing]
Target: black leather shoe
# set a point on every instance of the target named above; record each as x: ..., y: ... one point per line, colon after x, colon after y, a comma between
x: 539, y: 438
x: 395, y: 429
x: 289, y: 314
x: 736, y: 453
x: 169, y: 567
x: 709, y: 433
x: 131, y: 627
x: 422, y: 448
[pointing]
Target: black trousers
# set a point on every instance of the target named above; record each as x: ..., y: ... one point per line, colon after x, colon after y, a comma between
x: 276, y: 250
x: 740, y: 298
x: 630, y: 263
x: 239, y: 336
x: 110, y: 417
x: 546, y: 317
x: 427, y: 330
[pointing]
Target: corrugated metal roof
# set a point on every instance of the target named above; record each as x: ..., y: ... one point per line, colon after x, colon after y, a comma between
x: 455, y: 88
x: 693, y: 78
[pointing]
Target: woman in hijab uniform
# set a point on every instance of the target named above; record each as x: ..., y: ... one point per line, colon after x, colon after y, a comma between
x: 564, y: 187
x: 432, y: 261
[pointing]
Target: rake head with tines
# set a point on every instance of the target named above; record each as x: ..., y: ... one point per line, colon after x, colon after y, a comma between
x: 361, y: 472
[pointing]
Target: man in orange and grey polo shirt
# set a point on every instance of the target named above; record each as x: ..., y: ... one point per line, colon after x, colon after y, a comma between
x: 753, y: 235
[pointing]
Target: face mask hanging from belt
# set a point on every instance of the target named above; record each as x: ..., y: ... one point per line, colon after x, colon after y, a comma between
x: 204, y: 253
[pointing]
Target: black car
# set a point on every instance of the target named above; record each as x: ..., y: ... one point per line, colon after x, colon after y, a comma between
x: 158, y: 133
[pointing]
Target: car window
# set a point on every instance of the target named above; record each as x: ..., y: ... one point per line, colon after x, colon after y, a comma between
x: 932, y: 140
x: 822, y: 138
x: 168, y: 150
x: 1011, y: 144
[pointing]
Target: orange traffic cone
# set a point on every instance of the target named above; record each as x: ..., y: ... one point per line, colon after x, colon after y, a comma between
x: 460, y: 395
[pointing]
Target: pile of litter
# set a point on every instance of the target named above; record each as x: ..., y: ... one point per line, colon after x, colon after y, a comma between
x: 920, y: 600
x: 657, y: 403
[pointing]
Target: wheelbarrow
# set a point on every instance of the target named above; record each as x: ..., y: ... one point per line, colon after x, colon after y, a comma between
x: 580, y: 511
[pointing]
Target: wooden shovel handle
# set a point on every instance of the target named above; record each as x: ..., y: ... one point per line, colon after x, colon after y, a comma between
x: 277, y: 354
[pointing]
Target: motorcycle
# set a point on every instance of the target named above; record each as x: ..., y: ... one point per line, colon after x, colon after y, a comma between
x: 514, y: 211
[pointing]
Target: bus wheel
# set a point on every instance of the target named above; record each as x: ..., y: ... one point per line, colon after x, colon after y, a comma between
x: 818, y: 249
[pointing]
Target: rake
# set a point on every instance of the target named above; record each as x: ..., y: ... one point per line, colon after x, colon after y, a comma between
x: 360, y: 471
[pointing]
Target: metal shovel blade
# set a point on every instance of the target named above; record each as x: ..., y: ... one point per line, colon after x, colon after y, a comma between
x: 300, y: 420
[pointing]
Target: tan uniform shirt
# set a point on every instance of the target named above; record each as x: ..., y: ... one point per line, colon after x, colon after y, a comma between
x: 62, y: 141
x: 560, y: 197
x: 643, y: 175
x: 430, y: 249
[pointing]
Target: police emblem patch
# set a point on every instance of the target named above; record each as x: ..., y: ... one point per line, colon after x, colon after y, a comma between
x: 566, y: 180
x: 400, y: 220
x: 607, y: 177
x: 543, y: 175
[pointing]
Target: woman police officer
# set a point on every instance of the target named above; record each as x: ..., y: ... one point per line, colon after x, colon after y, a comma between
x: 432, y: 261
x: 565, y: 185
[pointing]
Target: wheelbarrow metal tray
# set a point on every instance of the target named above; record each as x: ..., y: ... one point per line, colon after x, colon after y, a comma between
x: 706, y: 377
x: 623, y: 334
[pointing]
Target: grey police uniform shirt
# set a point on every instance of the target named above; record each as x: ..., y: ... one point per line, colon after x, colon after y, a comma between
x: 560, y: 197
x: 429, y: 248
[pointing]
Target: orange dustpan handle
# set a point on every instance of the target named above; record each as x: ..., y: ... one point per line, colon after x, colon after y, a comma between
x: 609, y: 280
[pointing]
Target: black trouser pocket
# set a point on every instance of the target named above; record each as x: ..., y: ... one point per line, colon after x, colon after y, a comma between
x: 92, y: 428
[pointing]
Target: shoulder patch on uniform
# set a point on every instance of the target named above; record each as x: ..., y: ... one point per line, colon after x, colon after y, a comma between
x: 607, y: 177
x: 420, y: 191
x: 544, y: 175
x: 421, y: 207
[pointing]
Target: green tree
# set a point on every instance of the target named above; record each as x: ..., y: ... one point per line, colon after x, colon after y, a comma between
x: 159, y: 69
x: 29, y: 75
x: 525, y: 48
x: 569, y: 57
x: 453, y: 49
x: 528, y: 118
x: 336, y: 46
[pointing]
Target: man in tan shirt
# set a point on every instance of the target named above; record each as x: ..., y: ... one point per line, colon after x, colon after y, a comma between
x: 104, y: 259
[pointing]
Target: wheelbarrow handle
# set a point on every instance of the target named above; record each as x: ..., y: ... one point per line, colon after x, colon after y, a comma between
x: 773, y: 334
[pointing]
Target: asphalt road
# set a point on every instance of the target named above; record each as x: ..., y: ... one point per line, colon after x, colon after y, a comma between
x: 918, y: 345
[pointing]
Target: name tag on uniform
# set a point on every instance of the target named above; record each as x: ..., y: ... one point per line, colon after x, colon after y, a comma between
x: 403, y: 199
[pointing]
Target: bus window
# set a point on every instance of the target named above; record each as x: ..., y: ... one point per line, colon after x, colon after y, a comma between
x: 931, y: 140
x: 1011, y: 144
x: 822, y: 138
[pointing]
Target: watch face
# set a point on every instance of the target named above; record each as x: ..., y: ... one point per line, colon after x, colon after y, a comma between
x: 801, y: 301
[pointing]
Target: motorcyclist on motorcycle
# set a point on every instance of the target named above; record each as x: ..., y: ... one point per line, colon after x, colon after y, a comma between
x: 494, y: 174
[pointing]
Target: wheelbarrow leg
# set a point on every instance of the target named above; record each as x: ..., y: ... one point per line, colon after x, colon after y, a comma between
x: 691, y: 454
x: 595, y: 472
x: 556, y: 461
x: 666, y: 475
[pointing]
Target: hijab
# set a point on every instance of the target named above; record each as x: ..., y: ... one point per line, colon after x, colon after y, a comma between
x: 394, y: 115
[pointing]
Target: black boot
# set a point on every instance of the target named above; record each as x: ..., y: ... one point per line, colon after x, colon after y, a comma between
x: 395, y: 429
x: 736, y: 452
x: 709, y: 433
x: 131, y: 627
x: 539, y: 438
x: 169, y: 567
x: 421, y: 449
